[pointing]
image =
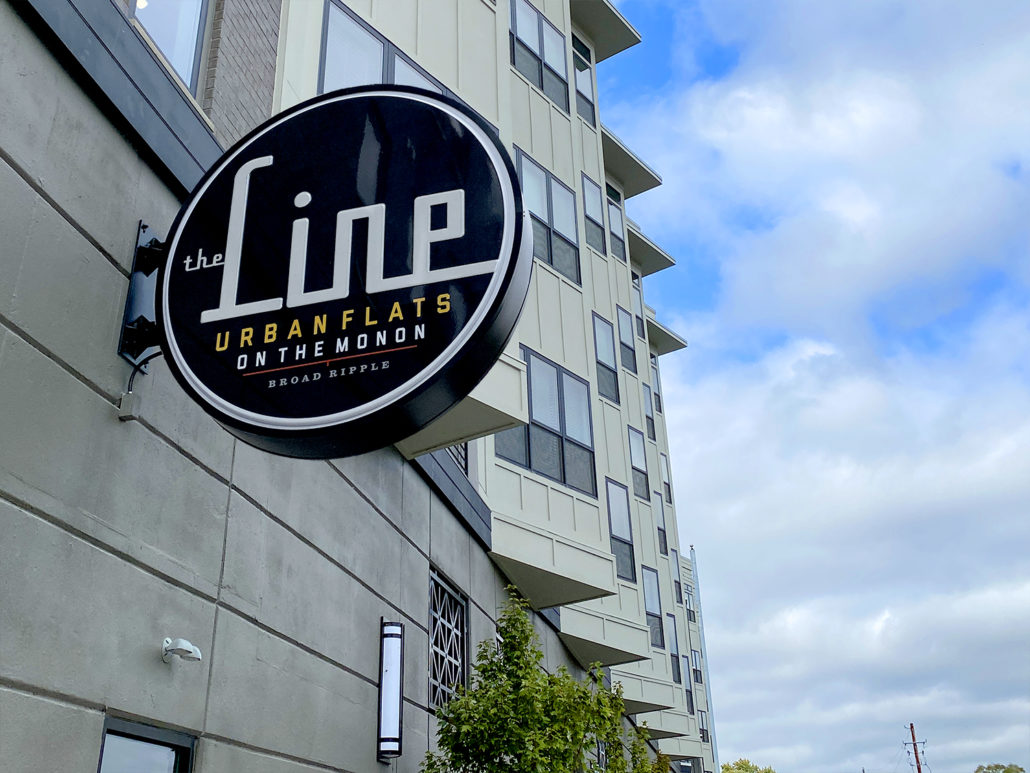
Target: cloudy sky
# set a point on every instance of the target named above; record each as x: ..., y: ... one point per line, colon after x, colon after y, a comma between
x: 847, y: 193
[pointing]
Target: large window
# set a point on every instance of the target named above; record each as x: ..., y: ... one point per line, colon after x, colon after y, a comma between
x: 178, y: 31
x: 593, y: 207
x: 653, y: 606
x: 356, y: 55
x: 638, y: 303
x: 538, y: 52
x: 618, y: 228
x: 666, y: 478
x: 689, y: 595
x: 674, y: 569
x: 553, y: 210
x: 656, y: 385
x: 607, y: 368
x: 649, y: 412
x: 558, y: 441
x: 695, y: 658
x: 621, y: 531
x: 638, y: 460
x: 674, y: 649
x: 448, y: 640
x: 659, y: 517
x: 582, y: 59
x: 130, y: 747
x: 627, y: 346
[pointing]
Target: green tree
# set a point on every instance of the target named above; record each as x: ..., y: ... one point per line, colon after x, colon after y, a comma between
x: 744, y: 766
x: 997, y: 767
x: 516, y: 718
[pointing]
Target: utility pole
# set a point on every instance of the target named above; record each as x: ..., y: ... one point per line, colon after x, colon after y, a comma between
x: 915, y: 746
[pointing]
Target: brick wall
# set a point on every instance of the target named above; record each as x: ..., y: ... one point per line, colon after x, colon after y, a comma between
x: 241, y: 65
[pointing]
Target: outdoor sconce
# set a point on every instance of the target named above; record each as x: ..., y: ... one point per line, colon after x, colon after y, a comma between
x: 180, y: 647
x: 391, y: 689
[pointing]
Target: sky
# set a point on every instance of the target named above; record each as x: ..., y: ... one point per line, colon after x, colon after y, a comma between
x: 847, y: 195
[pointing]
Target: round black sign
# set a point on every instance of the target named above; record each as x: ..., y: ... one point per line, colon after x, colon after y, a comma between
x: 347, y: 272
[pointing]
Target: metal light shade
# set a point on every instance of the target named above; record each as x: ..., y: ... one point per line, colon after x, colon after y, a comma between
x: 391, y: 689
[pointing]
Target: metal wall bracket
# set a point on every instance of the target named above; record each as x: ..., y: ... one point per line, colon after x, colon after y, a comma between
x: 139, y: 340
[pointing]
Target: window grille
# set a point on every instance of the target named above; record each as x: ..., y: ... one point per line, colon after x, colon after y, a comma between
x: 448, y: 645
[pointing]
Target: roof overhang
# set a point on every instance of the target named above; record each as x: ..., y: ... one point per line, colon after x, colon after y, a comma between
x: 648, y: 256
x: 607, y: 29
x: 663, y: 340
x: 625, y: 166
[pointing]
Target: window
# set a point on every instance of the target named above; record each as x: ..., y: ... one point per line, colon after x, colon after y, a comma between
x: 666, y: 482
x: 659, y: 518
x: 621, y: 530
x: 558, y: 441
x: 594, y: 211
x: 674, y: 649
x: 702, y: 721
x: 448, y: 626
x: 638, y: 459
x: 690, y: 699
x: 649, y: 412
x: 618, y: 229
x: 656, y: 384
x: 177, y: 29
x: 581, y: 60
x: 653, y: 607
x: 553, y: 210
x: 627, y: 347
x: 695, y: 656
x: 130, y: 747
x: 674, y: 568
x: 538, y: 52
x: 356, y: 55
x: 691, y: 614
x: 638, y: 303
x: 460, y: 454
x: 604, y: 348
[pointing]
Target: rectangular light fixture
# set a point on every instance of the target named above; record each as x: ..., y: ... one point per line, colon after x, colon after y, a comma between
x: 391, y: 689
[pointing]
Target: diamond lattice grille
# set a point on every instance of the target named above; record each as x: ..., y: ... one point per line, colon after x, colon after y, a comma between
x: 447, y: 616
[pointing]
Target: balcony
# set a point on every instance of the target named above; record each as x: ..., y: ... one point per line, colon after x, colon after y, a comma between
x: 665, y: 724
x: 643, y: 694
x: 594, y: 637
x: 662, y: 340
x: 625, y: 166
x: 644, y: 253
x: 681, y: 748
x: 500, y: 401
x: 607, y: 29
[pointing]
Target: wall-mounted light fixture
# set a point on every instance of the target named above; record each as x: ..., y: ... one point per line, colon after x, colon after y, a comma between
x: 184, y: 649
x: 391, y: 689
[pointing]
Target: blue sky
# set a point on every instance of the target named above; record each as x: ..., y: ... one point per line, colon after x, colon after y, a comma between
x: 847, y: 196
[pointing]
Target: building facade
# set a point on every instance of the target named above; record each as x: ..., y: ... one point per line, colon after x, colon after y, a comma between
x: 129, y: 517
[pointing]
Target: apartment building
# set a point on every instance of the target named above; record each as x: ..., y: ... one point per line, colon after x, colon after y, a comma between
x: 131, y: 520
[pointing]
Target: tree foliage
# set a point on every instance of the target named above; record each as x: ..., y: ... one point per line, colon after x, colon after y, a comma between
x: 516, y: 718
x: 744, y: 766
x: 997, y: 767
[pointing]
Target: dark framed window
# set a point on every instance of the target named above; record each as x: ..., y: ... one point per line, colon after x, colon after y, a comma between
x: 674, y: 569
x: 649, y: 412
x: 690, y: 699
x: 617, y: 228
x: 695, y: 658
x: 132, y: 747
x: 702, y: 722
x: 354, y: 54
x: 653, y: 606
x: 552, y: 208
x: 656, y: 385
x: 689, y: 595
x: 607, y: 368
x: 638, y: 303
x: 663, y: 461
x: 558, y: 442
x: 659, y: 518
x: 674, y: 649
x: 448, y: 640
x: 582, y: 61
x: 593, y: 208
x: 621, y: 530
x: 177, y: 29
x: 627, y: 345
x: 638, y: 461
x: 538, y: 52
